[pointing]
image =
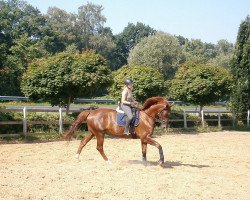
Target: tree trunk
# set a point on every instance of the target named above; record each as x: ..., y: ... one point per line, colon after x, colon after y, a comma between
x: 201, y: 114
x: 201, y: 108
x: 68, y: 104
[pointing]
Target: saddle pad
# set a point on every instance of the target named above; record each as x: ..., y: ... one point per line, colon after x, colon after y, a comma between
x: 121, y: 119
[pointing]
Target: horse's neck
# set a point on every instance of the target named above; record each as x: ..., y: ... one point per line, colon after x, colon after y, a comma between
x: 154, y: 110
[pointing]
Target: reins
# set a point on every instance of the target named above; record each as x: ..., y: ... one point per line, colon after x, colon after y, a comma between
x: 154, y: 118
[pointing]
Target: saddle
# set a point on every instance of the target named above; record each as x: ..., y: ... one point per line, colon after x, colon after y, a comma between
x: 121, y: 117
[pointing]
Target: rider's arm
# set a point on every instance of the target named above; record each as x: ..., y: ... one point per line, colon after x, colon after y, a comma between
x: 124, y: 95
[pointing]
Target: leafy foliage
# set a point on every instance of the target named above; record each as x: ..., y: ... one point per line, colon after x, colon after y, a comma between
x: 104, y: 44
x: 148, y: 82
x: 24, y: 35
x: 60, y: 78
x: 240, y: 97
x: 131, y: 35
x: 197, y: 51
x: 200, y: 84
x: 161, y: 51
x: 62, y: 23
x: 8, y: 83
x: 224, y: 54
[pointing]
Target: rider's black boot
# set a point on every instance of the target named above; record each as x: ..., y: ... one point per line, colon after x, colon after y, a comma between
x: 126, y: 132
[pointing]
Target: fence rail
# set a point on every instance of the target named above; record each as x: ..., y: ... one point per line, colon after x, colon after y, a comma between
x: 60, y: 111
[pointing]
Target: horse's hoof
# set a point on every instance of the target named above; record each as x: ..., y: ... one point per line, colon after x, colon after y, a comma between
x: 109, y: 162
x: 77, y: 156
x: 160, y: 162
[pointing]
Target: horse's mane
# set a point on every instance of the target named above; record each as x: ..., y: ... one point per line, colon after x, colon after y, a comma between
x: 152, y: 101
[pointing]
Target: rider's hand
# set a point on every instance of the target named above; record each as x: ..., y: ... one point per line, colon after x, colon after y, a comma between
x: 134, y: 104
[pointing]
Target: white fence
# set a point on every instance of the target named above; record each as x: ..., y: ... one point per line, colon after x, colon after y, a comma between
x: 61, y: 122
x: 27, y: 109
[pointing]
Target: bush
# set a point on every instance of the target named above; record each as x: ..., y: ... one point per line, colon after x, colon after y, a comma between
x: 201, y: 84
x: 60, y: 78
x: 148, y: 82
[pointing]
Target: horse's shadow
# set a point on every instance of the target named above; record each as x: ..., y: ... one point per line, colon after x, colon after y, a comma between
x: 167, y: 164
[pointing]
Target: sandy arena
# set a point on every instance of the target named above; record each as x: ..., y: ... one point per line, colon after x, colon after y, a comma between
x: 204, y: 166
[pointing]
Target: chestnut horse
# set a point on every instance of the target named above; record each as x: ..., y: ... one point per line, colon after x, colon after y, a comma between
x: 103, y: 120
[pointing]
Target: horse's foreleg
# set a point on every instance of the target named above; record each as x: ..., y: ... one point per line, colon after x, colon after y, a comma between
x: 144, y: 151
x: 100, y: 140
x: 84, y: 141
x: 151, y: 141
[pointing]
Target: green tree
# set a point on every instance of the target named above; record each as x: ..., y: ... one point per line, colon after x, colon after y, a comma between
x: 240, y: 68
x: 90, y: 21
x: 148, y: 82
x: 161, y: 51
x: 63, y: 24
x: 62, y: 77
x: 85, y: 29
x: 3, y: 54
x: 224, y: 54
x: 130, y: 36
x: 224, y: 47
x: 200, y: 52
x: 182, y: 40
x: 24, y: 50
x: 22, y: 30
x: 9, y: 84
x: 18, y: 18
x: 104, y: 44
x: 200, y: 84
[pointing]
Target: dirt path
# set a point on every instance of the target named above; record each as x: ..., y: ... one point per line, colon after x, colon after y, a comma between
x: 205, y: 166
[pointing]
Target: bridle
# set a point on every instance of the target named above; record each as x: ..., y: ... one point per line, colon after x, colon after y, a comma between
x: 158, y: 117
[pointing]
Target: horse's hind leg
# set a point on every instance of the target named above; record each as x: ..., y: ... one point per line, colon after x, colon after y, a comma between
x: 100, y: 140
x: 84, y: 141
x: 144, y: 152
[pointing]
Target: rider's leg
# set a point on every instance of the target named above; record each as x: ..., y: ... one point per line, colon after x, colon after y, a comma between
x: 128, y: 118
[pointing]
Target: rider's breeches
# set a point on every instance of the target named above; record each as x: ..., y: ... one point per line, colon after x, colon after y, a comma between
x: 128, y: 112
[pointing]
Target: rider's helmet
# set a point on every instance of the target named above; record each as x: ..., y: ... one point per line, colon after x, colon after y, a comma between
x: 128, y: 81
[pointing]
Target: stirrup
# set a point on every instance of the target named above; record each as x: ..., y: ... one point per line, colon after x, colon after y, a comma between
x: 127, y: 133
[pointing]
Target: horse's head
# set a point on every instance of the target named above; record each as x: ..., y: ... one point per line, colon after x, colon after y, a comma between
x: 164, y: 115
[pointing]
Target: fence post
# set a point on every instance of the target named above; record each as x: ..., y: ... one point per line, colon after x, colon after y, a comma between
x: 185, y: 119
x: 60, y: 121
x: 233, y: 119
x: 219, y: 121
x: 202, y: 118
x: 248, y: 117
x: 25, y: 121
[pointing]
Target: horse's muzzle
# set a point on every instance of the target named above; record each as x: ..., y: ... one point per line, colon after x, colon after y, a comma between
x: 164, y: 124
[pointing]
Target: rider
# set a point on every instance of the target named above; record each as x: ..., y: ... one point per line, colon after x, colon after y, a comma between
x: 127, y: 102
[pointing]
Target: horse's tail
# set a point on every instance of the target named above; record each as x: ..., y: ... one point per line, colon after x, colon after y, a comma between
x: 81, y: 118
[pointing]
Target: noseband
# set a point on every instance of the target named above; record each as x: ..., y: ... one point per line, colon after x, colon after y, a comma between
x: 159, y: 117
